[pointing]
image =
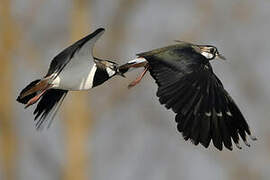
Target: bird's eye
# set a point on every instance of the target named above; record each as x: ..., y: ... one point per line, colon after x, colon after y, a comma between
x: 212, y: 50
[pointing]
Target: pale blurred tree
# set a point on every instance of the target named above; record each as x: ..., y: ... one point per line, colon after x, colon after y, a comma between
x: 7, y: 134
x: 77, y: 114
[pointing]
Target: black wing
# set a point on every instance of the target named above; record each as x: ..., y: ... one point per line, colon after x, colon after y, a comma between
x: 205, y: 111
x: 83, y: 47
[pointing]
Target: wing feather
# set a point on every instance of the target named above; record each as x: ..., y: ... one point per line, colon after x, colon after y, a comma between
x: 204, y: 110
x: 82, y: 48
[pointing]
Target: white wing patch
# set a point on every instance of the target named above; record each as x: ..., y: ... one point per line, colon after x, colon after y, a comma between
x: 219, y: 114
x: 208, y: 114
x: 229, y: 113
x: 110, y: 72
x: 207, y: 55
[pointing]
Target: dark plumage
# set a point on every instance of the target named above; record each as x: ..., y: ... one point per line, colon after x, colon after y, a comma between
x: 49, y: 103
x: 187, y: 85
x: 25, y: 99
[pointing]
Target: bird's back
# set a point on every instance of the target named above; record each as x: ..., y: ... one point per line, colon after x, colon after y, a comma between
x: 164, y: 50
x: 181, y: 56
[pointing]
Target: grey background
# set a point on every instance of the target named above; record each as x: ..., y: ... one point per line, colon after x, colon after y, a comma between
x: 133, y: 136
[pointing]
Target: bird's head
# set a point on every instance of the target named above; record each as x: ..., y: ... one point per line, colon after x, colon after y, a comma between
x: 112, y: 69
x: 210, y: 52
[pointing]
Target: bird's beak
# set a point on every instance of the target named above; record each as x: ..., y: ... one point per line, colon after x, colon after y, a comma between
x: 220, y: 56
x: 119, y: 72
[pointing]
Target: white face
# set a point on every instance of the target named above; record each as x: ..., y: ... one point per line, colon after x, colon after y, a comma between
x: 208, y: 55
x: 110, y: 71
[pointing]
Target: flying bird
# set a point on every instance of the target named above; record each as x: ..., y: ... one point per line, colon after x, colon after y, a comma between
x: 73, y: 69
x: 187, y: 85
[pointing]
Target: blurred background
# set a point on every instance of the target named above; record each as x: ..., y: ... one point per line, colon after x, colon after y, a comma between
x: 111, y: 132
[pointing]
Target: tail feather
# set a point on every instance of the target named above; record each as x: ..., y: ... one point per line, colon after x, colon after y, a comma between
x: 22, y: 98
x: 49, y: 100
x: 41, y: 85
x: 48, y: 106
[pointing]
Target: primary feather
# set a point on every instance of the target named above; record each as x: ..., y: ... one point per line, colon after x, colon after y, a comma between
x: 187, y: 85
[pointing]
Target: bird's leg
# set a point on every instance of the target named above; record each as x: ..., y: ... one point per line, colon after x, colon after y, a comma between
x: 36, y: 98
x: 138, y: 80
x: 131, y: 65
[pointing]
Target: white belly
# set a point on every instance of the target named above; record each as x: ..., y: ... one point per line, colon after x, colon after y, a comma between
x: 76, y: 76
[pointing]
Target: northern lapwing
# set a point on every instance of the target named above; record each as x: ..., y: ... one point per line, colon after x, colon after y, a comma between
x: 187, y: 85
x: 73, y: 69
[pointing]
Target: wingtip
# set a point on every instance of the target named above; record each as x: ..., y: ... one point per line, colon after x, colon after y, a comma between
x: 97, y: 32
x: 238, y: 145
x: 100, y: 30
x: 229, y: 147
x: 18, y: 99
x: 247, y: 144
x: 206, y: 145
x: 253, y: 138
x: 219, y: 147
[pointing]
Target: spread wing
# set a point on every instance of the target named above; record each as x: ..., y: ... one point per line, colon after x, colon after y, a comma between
x: 81, y: 49
x: 205, y: 111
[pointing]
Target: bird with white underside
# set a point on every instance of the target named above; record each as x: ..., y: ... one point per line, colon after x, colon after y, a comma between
x: 73, y: 69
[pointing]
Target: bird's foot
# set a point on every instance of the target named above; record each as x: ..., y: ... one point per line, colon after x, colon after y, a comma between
x: 138, y: 80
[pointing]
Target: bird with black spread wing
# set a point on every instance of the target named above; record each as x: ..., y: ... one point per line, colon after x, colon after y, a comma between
x: 187, y: 85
